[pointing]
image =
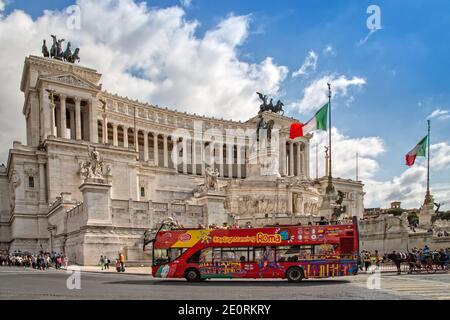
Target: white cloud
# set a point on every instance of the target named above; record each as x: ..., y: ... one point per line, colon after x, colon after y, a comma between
x: 2, y: 5
x: 316, y: 93
x: 408, y: 187
x: 176, y: 68
x: 440, y: 114
x: 309, y: 64
x: 440, y: 156
x: 329, y: 50
x: 344, y: 154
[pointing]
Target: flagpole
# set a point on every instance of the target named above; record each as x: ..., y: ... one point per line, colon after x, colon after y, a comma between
x: 428, y: 196
x: 330, y: 188
x: 357, y: 164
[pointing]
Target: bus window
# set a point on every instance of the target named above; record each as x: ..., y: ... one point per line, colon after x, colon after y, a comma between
x: 288, y: 253
x: 163, y: 256
x: 210, y: 255
x: 264, y: 254
x: 325, y: 249
x: 236, y: 254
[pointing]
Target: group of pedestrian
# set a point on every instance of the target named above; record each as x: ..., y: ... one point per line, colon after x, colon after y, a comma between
x: 367, y: 259
x: 40, y: 261
x: 104, y: 262
x: 119, y: 262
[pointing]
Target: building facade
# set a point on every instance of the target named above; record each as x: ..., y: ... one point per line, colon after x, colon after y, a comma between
x: 156, y: 163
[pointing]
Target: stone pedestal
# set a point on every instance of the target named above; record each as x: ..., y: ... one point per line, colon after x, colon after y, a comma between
x: 328, y: 205
x: 213, y: 202
x: 425, y: 215
x: 96, y: 202
x: 263, y: 162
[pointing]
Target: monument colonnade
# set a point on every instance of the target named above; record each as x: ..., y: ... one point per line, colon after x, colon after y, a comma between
x: 83, y: 120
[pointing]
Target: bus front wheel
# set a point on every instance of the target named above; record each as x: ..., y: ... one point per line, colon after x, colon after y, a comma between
x: 192, y: 275
x: 294, y: 274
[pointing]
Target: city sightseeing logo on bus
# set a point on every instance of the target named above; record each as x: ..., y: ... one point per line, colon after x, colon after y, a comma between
x: 184, y: 237
x: 259, y: 238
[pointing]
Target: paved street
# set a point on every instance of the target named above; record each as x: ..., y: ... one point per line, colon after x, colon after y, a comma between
x: 18, y: 283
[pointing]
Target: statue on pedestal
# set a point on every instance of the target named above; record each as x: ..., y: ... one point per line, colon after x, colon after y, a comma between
x: 211, y: 177
x: 94, y: 167
x: 56, y: 51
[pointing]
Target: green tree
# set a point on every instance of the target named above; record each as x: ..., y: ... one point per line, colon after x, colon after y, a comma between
x: 413, y: 218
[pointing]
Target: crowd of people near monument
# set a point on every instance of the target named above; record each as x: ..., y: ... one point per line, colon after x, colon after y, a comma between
x: 41, y: 261
x: 369, y: 260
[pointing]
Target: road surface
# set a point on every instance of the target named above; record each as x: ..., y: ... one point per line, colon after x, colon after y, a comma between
x: 19, y: 283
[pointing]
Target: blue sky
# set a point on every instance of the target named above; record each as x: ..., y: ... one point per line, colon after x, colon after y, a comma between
x: 405, y: 64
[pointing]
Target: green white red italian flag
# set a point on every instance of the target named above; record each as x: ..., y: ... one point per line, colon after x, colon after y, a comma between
x: 420, y: 150
x: 318, y: 122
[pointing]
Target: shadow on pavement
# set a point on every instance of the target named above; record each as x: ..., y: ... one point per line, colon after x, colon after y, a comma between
x: 231, y: 283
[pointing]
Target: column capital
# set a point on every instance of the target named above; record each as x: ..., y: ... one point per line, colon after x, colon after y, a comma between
x: 62, y: 96
x: 77, y: 99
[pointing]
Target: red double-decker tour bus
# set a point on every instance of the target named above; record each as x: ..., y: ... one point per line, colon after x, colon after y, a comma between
x: 285, y: 252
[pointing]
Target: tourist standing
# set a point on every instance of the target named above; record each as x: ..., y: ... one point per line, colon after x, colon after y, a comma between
x: 107, y: 262
x: 102, y: 262
x: 66, y: 262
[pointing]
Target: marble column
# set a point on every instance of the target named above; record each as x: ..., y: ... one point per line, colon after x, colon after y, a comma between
x: 239, y: 160
x: 155, y: 148
x: 136, y: 139
x: 230, y: 159
x: 62, y: 116
x: 299, y: 159
x: 166, y: 151
x: 145, y: 145
x: 185, y: 155
x: 221, y: 160
x: 291, y: 158
x: 72, y: 124
x: 105, y: 129
x: 78, y: 118
x: 194, y: 156
x: 202, y: 156
x: 93, y: 121
x: 52, y: 119
x: 115, y: 135
x: 283, y: 157
x: 125, y: 136
x: 175, y: 153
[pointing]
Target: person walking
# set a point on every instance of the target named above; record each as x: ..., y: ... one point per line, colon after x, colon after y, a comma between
x: 122, y: 262
x: 66, y: 262
x: 102, y: 262
x: 58, y: 262
x: 367, y: 261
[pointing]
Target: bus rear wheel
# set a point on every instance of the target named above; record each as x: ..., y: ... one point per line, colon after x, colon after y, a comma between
x: 192, y: 275
x: 294, y: 274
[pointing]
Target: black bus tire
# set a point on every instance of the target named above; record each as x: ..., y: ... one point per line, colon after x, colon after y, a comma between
x: 192, y: 275
x: 294, y: 274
